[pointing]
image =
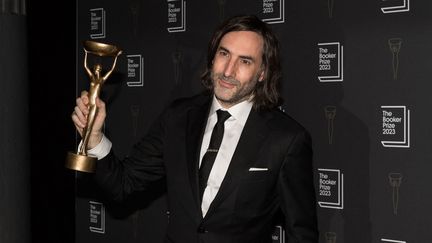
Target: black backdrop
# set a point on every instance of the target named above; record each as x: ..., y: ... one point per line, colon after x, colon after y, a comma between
x: 371, y: 181
x: 356, y: 75
x: 51, y: 62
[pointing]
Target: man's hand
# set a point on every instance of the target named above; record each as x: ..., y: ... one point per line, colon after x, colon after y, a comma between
x: 79, y: 117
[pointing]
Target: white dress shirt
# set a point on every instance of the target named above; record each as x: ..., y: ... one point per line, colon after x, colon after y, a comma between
x: 233, y: 129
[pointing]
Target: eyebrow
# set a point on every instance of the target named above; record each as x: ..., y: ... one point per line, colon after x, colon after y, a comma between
x: 241, y: 56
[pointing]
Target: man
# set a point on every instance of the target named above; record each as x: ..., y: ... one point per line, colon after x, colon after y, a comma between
x: 230, y: 190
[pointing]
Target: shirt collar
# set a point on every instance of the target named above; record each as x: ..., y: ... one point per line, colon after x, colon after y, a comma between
x: 239, y: 112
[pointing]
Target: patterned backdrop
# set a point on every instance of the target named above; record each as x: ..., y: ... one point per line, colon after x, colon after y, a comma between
x: 356, y: 74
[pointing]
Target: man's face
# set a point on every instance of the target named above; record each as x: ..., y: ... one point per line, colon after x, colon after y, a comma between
x: 237, y: 67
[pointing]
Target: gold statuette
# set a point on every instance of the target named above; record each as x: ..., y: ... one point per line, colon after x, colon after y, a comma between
x: 80, y: 161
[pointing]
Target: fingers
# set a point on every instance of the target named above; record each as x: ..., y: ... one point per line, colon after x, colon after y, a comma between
x: 101, y: 108
x: 82, y: 105
x: 84, y: 97
x: 81, y: 113
x: 77, y: 122
x: 79, y: 118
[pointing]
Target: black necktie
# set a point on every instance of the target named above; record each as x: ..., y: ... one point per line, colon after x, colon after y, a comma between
x: 210, y: 156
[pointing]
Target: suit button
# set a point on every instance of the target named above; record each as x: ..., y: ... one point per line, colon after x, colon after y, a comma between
x: 201, y: 229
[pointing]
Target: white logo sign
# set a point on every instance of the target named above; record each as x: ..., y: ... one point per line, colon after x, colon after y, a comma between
x: 395, y: 126
x: 330, y: 56
x: 278, y: 235
x: 401, y: 7
x: 395, y: 241
x: 176, y: 16
x: 330, y: 237
x: 97, y: 23
x: 97, y: 217
x: 331, y: 188
x: 273, y: 11
x: 135, y: 71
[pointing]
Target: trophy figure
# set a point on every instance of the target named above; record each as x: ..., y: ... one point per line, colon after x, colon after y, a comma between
x: 177, y: 59
x: 221, y: 4
x: 330, y: 113
x: 395, y: 180
x: 80, y: 161
x: 135, y: 9
x: 330, y: 237
x: 330, y: 4
x: 395, y: 45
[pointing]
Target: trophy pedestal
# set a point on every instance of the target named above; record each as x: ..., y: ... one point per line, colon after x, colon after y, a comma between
x: 80, y: 162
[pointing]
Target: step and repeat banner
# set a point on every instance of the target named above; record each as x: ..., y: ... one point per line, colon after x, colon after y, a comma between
x: 357, y: 75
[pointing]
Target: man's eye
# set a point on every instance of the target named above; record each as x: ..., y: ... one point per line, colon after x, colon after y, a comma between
x: 223, y: 53
x: 245, y: 61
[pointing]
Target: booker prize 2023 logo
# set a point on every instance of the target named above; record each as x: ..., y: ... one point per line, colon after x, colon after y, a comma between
x: 135, y: 70
x: 330, y: 237
x: 395, y: 126
x: 97, y: 217
x: 278, y: 235
x: 176, y: 16
x: 393, y: 241
x: 330, y: 62
x: 330, y: 188
x: 395, y: 6
x: 273, y: 11
x: 97, y: 23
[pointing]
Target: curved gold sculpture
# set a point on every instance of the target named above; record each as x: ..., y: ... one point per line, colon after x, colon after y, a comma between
x: 80, y: 161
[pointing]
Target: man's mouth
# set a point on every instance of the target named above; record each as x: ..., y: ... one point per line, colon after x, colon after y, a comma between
x: 225, y: 83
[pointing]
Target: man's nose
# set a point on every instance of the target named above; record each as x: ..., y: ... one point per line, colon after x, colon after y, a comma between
x: 230, y: 68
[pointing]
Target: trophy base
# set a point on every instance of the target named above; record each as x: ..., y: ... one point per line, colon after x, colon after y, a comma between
x: 80, y: 162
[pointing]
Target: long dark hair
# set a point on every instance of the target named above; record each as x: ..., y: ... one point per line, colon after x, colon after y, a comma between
x: 266, y: 93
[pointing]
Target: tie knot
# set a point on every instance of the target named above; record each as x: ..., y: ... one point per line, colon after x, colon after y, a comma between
x: 222, y: 115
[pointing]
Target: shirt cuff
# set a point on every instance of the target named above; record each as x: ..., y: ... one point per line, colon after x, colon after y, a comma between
x: 102, y: 149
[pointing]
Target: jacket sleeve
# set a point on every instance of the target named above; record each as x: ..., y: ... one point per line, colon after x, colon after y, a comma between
x: 297, y: 192
x: 144, y: 165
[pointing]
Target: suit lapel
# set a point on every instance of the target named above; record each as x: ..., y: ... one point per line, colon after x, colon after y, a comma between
x: 250, y: 140
x: 196, y: 122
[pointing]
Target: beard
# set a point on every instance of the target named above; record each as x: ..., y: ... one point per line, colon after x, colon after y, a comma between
x: 238, y: 93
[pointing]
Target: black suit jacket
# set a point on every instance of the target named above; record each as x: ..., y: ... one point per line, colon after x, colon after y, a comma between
x: 244, y: 209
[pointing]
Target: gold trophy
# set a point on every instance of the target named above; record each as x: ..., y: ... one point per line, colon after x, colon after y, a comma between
x: 80, y: 161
